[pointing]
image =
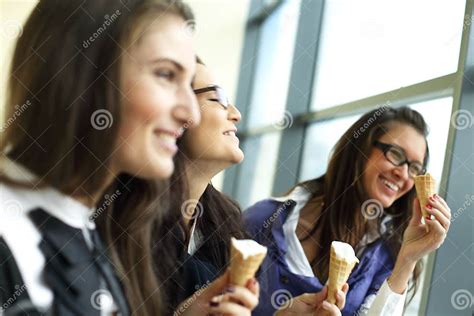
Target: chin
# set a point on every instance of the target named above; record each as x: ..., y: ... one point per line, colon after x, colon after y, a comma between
x: 159, y: 169
x: 238, y: 157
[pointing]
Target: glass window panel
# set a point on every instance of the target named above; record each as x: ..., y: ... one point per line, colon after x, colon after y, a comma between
x: 258, y: 169
x: 372, y: 46
x: 437, y: 114
x: 319, y: 140
x: 273, y: 70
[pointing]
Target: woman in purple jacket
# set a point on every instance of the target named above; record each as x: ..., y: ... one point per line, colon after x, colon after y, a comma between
x: 367, y: 199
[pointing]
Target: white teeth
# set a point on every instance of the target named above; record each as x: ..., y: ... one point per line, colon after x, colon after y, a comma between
x: 166, y: 137
x: 391, y: 185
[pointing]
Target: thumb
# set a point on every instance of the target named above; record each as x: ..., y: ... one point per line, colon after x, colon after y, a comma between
x: 321, y: 295
x: 416, y: 213
x: 217, y: 286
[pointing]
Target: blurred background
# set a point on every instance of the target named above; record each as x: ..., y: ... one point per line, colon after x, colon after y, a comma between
x: 302, y: 71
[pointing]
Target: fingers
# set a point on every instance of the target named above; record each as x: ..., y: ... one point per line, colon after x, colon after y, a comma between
x: 327, y: 308
x: 345, y: 288
x: 416, y: 215
x: 228, y: 308
x: 241, y: 295
x: 309, y: 300
x: 254, y: 286
x: 437, y: 202
x: 319, y: 297
x: 437, y: 231
x: 341, y: 296
x: 217, y: 286
x: 444, y: 221
x: 439, y: 198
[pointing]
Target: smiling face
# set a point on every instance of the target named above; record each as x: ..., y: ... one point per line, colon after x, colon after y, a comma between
x: 214, y: 140
x: 158, y: 99
x: 382, y: 180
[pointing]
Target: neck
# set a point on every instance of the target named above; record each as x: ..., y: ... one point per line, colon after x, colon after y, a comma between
x: 198, y: 177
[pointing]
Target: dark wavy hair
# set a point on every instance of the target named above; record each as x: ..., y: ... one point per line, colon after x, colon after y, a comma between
x: 341, y: 189
x: 64, y: 73
x: 218, y: 216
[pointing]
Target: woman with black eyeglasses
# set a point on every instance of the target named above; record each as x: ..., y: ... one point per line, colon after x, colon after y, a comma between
x: 367, y: 199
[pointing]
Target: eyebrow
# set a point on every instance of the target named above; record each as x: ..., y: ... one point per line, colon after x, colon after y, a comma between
x: 211, y: 86
x: 169, y: 60
x: 405, y: 153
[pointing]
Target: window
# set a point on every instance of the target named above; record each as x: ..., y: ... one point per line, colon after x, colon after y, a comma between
x: 372, y: 46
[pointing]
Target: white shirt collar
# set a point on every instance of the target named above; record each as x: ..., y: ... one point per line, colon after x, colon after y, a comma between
x: 59, y: 205
x: 299, y: 194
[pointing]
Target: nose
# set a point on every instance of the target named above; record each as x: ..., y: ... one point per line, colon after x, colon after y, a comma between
x: 402, y: 172
x: 234, y: 113
x: 186, y: 110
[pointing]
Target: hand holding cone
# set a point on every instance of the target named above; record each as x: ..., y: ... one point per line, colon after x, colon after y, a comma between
x: 246, y: 256
x: 341, y: 263
x: 425, y: 187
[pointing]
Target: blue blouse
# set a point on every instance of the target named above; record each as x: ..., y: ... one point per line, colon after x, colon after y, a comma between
x: 264, y: 222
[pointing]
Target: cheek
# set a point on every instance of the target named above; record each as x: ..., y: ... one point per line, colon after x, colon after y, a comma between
x: 408, y: 186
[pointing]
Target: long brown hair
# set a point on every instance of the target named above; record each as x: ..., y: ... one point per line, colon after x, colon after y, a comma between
x: 218, y: 217
x: 63, y: 87
x: 341, y: 187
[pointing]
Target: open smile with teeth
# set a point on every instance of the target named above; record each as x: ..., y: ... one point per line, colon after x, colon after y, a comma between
x: 166, y: 137
x: 391, y: 185
x: 229, y: 133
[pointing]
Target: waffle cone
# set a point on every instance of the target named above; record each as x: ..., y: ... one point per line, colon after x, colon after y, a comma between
x: 425, y: 187
x: 243, y: 268
x: 339, y: 271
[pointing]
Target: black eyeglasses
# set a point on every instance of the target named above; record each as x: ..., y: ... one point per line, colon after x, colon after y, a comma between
x: 221, y: 95
x: 398, y: 157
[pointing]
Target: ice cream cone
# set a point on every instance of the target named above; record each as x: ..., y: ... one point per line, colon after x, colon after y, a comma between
x: 341, y: 263
x: 246, y: 256
x: 425, y: 187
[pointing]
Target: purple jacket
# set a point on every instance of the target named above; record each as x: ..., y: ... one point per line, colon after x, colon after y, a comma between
x: 264, y: 222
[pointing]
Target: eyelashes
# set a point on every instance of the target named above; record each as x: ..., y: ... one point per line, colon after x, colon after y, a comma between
x: 166, y: 74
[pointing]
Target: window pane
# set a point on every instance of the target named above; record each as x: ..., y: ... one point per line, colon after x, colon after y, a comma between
x: 258, y: 169
x: 437, y: 114
x: 274, y: 60
x: 320, y: 138
x: 373, y: 46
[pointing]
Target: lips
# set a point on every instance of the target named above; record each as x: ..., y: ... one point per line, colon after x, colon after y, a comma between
x: 390, y: 184
x: 231, y: 132
x: 167, y: 140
